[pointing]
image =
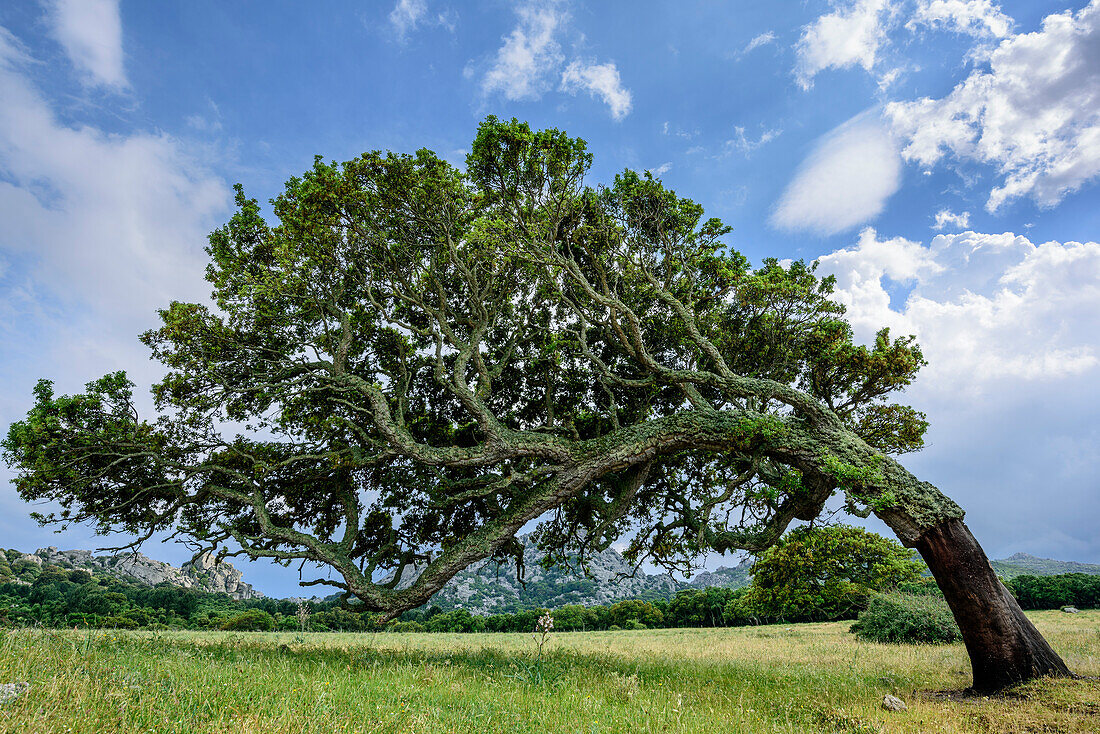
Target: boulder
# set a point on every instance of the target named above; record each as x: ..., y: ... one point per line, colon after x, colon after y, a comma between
x: 893, y: 703
x: 11, y: 691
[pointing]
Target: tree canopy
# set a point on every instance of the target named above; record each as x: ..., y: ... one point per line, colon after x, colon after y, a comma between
x: 426, y: 359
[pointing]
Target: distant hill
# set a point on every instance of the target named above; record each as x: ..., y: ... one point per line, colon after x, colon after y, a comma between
x: 202, y: 574
x: 489, y: 588
x: 1020, y: 564
x: 484, y: 588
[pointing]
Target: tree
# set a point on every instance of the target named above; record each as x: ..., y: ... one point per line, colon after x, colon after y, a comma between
x: 427, y: 359
x: 825, y: 573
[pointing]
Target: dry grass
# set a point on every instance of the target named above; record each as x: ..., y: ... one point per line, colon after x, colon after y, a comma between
x: 794, y: 679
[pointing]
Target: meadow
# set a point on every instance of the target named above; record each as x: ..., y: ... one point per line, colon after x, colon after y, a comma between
x: 779, y: 678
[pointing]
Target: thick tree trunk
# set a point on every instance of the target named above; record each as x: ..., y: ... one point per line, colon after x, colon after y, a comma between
x: 1003, y: 644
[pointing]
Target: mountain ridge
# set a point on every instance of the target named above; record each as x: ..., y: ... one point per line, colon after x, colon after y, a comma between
x: 486, y: 587
x: 203, y: 573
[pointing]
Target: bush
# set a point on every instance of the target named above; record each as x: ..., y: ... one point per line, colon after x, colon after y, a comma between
x: 251, y: 620
x: 906, y: 618
x: 405, y: 627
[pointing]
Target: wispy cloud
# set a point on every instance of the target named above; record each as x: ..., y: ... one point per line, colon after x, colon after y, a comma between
x: 945, y: 218
x: 100, y: 229
x: 90, y: 31
x: 408, y: 15
x: 762, y: 40
x: 741, y: 143
x: 600, y: 80
x: 978, y: 18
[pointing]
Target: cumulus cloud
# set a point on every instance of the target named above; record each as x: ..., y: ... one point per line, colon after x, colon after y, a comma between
x: 1034, y: 114
x: 90, y: 31
x: 845, y: 181
x: 528, y: 60
x: 849, y: 36
x: 531, y: 59
x: 599, y: 80
x: 983, y: 306
x: 946, y: 218
x: 1010, y: 332
x: 979, y: 18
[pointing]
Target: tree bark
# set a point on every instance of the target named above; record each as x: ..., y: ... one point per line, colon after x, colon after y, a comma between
x: 1003, y: 644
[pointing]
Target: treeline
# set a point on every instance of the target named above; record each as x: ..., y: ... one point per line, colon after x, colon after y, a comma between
x: 57, y: 597
x: 1079, y: 590
x: 50, y: 596
x: 709, y: 607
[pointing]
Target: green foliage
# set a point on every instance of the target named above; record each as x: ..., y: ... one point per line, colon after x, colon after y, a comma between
x: 824, y: 573
x: 624, y: 613
x: 251, y: 620
x: 1054, y: 592
x: 905, y: 618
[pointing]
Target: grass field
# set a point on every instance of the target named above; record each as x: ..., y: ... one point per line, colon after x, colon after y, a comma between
x: 783, y: 678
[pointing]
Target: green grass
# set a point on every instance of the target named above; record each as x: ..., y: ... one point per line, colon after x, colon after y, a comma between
x: 781, y: 678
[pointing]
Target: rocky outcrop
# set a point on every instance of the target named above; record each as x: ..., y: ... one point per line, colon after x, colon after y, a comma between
x: 728, y: 577
x: 491, y: 588
x: 202, y: 573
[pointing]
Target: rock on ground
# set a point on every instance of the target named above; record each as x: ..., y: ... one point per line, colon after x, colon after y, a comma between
x: 11, y: 691
x: 893, y: 703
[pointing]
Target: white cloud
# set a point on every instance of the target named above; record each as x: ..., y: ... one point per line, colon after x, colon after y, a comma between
x: 99, y: 230
x: 601, y: 80
x: 844, y: 182
x: 978, y: 18
x: 91, y: 33
x: 847, y: 37
x: 1034, y: 114
x: 742, y: 144
x: 946, y: 218
x: 984, y: 307
x: 762, y: 40
x: 658, y: 171
x: 406, y: 15
x: 531, y: 60
x: 531, y: 55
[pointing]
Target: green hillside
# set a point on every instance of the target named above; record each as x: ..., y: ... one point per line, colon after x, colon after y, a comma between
x: 1021, y: 564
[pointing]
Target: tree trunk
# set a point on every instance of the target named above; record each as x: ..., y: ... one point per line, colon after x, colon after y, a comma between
x: 1003, y: 644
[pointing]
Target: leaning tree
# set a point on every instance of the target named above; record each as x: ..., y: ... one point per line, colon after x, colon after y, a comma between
x: 423, y: 360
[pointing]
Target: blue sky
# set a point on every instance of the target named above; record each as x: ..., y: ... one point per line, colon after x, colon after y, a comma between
x: 940, y: 157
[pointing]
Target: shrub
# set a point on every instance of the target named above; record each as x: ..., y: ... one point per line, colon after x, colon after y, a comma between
x: 251, y: 620
x: 906, y: 618
x: 405, y: 627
